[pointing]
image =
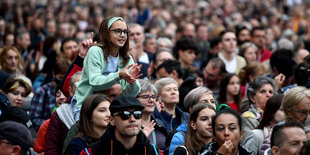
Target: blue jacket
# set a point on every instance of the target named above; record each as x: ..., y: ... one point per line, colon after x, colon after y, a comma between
x: 178, y: 138
x: 169, y: 122
x: 4, y: 103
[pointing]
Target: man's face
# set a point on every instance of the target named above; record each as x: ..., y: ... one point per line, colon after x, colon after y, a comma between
x: 70, y: 50
x: 258, y: 38
x: 229, y: 42
x: 9, y: 40
x: 187, y: 57
x: 25, y: 41
x: 189, y: 30
x: 2, y: 26
x: 212, y: 75
x: 7, y: 148
x: 202, y: 33
x: 244, y: 35
x: 64, y: 30
x: 51, y: 27
x: 161, y: 73
x: 163, y: 56
x: 151, y: 46
x: 295, y: 137
x: 163, y: 44
x: 126, y: 128
x: 137, y: 35
x: 73, y: 89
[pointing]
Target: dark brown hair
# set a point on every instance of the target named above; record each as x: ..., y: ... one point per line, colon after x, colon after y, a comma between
x: 193, y: 143
x: 11, y: 84
x: 223, y: 89
x: 106, y: 45
x: 85, y: 125
x: 272, y: 106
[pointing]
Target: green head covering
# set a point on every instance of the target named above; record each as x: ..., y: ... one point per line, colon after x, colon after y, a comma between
x: 114, y: 19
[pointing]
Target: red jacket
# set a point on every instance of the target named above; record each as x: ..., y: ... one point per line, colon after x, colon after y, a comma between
x: 39, y: 143
x: 55, y: 136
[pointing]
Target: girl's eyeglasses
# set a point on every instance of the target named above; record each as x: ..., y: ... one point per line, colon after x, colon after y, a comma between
x: 120, y: 31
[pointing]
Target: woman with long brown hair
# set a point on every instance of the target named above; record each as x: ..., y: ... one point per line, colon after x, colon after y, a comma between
x: 94, y: 119
x: 199, y: 130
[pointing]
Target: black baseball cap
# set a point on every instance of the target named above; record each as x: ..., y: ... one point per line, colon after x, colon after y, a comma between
x: 19, y: 115
x: 123, y: 102
x: 16, y: 133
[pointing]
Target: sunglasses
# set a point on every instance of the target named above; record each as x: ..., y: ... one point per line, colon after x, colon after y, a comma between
x: 126, y: 114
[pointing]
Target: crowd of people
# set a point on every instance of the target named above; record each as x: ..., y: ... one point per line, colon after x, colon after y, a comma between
x: 155, y: 77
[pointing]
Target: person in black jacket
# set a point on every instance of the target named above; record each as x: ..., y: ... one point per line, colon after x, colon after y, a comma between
x: 124, y: 134
x: 227, y: 133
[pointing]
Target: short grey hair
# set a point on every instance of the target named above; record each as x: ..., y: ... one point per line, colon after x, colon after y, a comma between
x: 161, y: 51
x: 146, y: 85
x: 148, y: 36
x: 130, y: 25
x: 164, y: 81
x: 75, y: 75
x: 285, y: 43
x: 164, y: 39
x: 194, y: 96
x: 257, y: 83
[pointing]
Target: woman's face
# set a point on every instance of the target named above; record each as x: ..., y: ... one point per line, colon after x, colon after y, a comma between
x: 250, y: 54
x: 17, y: 97
x: 233, y: 87
x: 207, y: 97
x: 262, y: 95
x: 170, y: 94
x: 60, y: 98
x: 147, y: 100
x: 101, y: 115
x: 12, y: 61
x: 279, y: 116
x: 227, y: 129
x: 301, y: 111
x: 203, y: 126
x: 117, y: 36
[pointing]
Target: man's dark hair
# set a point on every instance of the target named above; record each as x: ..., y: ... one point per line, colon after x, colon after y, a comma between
x: 65, y: 41
x: 171, y: 65
x: 185, y: 43
x: 217, y: 62
x: 257, y: 28
x: 302, y: 74
x: 148, y: 36
x: 282, y: 60
x: 214, y: 41
x: 224, y: 32
x: 278, y: 136
x: 240, y: 28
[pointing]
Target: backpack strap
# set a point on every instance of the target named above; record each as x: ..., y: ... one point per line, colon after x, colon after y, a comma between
x: 155, y: 149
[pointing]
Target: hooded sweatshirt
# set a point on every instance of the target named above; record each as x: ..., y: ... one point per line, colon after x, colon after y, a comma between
x: 109, y: 145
